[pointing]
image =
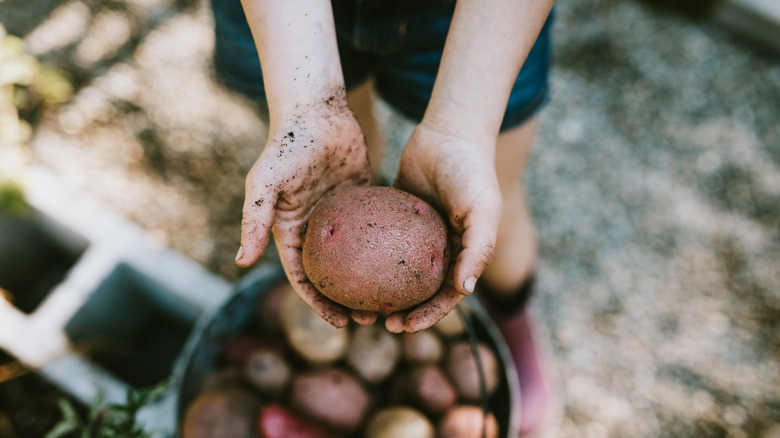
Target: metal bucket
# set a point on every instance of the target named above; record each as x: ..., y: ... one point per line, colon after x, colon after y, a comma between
x: 202, y: 352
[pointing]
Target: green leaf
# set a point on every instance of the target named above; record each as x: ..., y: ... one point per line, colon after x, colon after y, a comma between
x: 111, y: 420
x: 69, y: 413
x: 96, y: 409
x: 62, y: 429
x: 145, y: 396
x: 12, y: 199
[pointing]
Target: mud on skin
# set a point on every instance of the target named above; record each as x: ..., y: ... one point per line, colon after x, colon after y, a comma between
x: 312, y: 151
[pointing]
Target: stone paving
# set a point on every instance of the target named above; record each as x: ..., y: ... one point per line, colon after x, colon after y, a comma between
x: 655, y: 185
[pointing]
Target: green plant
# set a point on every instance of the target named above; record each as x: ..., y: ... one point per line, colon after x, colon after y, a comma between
x: 24, y: 83
x: 107, y: 420
x: 12, y: 199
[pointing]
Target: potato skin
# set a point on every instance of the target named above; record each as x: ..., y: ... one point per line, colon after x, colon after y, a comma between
x: 375, y: 248
x: 276, y: 421
x: 462, y: 369
x: 332, y: 397
x: 466, y: 421
x: 373, y: 353
x: 400, y: 422
x: 428, y: 388
x: 313, y: 338
x: 269, y: 372
x: 226, y: 378
x: 422, y: 347
x: 222, y: 414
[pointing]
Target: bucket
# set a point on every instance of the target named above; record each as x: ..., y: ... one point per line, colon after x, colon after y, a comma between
x: 202, y: 352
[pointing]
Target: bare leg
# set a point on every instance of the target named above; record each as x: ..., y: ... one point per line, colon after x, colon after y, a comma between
x: 514, y: 260
x: 360, y: 101
x: 516, y: 248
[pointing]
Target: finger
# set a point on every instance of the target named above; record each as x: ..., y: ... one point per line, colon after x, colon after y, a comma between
x: 258, y: 218
x: 290, y: 255
x: 430, y: 312
x: 477, y: 245
x: 394, y: 323
x: 363, y: 317
x: 327, y: 309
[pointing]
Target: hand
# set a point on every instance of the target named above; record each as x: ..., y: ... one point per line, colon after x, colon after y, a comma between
x: 309, y: 152
x: 457, y: 176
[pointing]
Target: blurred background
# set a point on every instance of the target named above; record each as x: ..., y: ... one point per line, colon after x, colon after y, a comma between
x: 655, y: 185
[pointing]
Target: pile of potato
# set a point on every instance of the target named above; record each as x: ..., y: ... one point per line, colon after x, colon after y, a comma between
x: 293, y: 375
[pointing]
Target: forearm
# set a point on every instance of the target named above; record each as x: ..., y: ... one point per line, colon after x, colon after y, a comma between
x: 296, y: 41
x: 487, y: 45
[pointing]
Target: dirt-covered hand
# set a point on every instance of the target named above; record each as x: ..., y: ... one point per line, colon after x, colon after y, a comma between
x: 457, y: 176
x: 313, y: 150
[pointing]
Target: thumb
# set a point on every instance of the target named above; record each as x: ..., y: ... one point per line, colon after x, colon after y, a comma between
x: 477, y: 245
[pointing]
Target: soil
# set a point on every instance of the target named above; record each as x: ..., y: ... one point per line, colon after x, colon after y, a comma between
x: 655, y: 185
x: 28, y: 403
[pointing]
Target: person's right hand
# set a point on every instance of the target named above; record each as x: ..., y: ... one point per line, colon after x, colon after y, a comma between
x: 309, y: 152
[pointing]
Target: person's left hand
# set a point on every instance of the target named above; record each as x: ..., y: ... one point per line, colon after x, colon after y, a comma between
x: 457, y: 177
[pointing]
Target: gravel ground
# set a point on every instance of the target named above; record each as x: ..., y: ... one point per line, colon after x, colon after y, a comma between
x: 655, y: 185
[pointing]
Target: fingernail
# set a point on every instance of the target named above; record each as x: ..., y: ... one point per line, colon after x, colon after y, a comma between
x: 470, y: 284
x: 240, y: 253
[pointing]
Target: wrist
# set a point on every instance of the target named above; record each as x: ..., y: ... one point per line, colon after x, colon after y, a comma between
x: 319, y: 126
x: 448, y: 117
x: 298, y: 49
x: 307, y: 102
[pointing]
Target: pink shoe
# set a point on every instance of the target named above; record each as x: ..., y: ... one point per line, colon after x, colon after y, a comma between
x: 540, y: 407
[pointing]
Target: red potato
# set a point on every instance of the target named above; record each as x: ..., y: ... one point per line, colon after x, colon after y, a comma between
x: 276, y: 421
x: 332, y: 397
x: 427, y: 387
x: 226, y: 378
x: 462, y: 369
x: 466, y: 421
x: 222, y: 414
x: 375, y: 248
x: 238, y: 349
x: 269, y: 309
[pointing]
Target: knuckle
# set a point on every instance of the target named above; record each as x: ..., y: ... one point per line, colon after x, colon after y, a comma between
x: 486, y: 255
x: 249, y: 222
x: 488, y: 250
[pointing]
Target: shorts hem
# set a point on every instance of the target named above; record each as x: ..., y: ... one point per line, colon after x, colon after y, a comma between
x: 224, y: 78
x: 531, y: 109
x: 511, y: 119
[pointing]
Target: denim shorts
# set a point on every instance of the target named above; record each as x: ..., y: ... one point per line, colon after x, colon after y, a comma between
x: 398, y: 43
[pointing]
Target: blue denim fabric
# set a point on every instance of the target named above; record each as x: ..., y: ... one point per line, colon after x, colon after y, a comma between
x: 398, y: 42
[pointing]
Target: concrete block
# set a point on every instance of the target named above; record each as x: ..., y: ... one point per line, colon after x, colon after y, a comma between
x: 758, y: 19
x: 97, y: 306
